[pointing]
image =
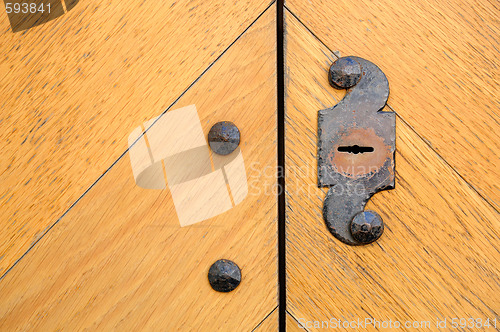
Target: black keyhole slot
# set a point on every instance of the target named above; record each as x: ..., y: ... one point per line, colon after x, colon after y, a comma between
x: 355, y: 149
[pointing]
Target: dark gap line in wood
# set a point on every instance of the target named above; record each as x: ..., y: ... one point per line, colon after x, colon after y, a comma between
x: 280, y: 62
x: 262, y: 321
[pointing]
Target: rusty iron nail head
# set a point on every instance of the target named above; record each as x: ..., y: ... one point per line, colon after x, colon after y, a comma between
x: 224, y: 137
x: 344, y: 73
x: 224, y: 276
x: 367, y: 227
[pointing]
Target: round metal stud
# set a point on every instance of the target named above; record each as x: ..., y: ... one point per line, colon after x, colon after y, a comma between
x: 344, y: 73
x: 224, y: 137
x: 367, y: 227
x: 224, y: 275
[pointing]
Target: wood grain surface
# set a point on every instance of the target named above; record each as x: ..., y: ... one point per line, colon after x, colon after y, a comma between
x: 441, y: 59
x: 440, y: 254
x: 118, y: 260
x: 270, y: 324
x: 292, y: 325
x: 71, y: 90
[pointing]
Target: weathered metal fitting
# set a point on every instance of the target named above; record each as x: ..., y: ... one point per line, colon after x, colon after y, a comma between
x: 224, y: 137
x: 356, y: 150
x: 224, y: 275
x: 344, y: 73
x: 367, y: 227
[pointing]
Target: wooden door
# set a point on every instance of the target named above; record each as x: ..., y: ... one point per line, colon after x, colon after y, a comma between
x: 82, y: 246
x: 439, y: 256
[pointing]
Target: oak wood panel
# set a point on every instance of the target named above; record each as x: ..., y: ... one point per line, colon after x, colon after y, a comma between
x: 72, y: 88
x: 292, y: 325
x: 440, y: 254
x: 270, y: 324
x: 441, y: 59
x: 119, y: 259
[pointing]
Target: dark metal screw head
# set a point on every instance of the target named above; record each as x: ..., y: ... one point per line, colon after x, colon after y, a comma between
x: 367, y: 227
x: 224, y: 137
x: 224, y: 275
x: 344, y: 73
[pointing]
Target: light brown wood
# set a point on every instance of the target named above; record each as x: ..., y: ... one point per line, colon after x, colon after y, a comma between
x: 72, y: 89
x: 292, y: 325
x: 119, y: 259
x: 439, y: 256
x: 441, y: 59
x: 270, y: 324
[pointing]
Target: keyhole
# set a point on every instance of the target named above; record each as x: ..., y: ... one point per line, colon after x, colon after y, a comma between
x: 355, y: 149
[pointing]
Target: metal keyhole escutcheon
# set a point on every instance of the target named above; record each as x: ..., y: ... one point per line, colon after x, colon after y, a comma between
x: 356, y: 150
